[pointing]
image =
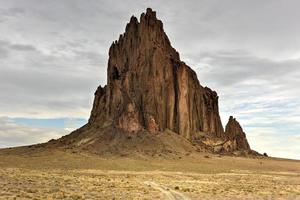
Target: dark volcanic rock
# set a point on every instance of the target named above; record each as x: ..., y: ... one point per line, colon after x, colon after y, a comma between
x: 150, y: 88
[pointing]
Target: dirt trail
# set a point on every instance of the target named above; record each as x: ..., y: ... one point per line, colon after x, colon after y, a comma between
x: 169, y: 194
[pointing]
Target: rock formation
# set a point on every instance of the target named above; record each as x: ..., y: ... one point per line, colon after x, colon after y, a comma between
x: 236, y: 138
x: 150, y: 89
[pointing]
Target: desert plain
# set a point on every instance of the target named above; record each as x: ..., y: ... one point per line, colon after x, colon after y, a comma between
x: 28, y: 173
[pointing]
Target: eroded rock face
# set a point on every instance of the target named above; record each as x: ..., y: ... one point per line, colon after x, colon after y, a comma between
x: 236, y: 138
x: 150, y: 88
x: 145, y: 73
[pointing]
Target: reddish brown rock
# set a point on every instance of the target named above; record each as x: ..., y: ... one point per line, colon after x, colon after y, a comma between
x: 146, y: 74
x: 150, y: 88
x: 153, y: 104
x: 236, y: 138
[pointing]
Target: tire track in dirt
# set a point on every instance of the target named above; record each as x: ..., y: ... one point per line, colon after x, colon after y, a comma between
x: 169, y: 193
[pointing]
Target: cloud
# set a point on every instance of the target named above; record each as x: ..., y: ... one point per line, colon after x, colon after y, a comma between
x: 44, y: 85
x: 3, y: 53
x: 20, y: 47
x: 54, y: 55
x: 227, y: 25
x: 295, y: 137
x: 274, y: 142
x: 13, y: 134
x: 6, y: 14
x: 238, y: 70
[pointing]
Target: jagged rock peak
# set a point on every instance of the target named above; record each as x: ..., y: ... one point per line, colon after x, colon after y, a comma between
x: 233, y: 127
x: 235, y: 133
x: 148, y: 32
x: 149, y: 87
x: 148, y: 18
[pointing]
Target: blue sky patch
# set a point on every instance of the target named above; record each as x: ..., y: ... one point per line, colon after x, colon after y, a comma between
x: 51, y: 123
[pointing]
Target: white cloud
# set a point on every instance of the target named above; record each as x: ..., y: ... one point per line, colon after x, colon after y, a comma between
x: 274, y: 142
x: 13, y: 134
x: 54, y: 55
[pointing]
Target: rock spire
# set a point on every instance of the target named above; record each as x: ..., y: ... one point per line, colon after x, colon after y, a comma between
x: 150, y: 88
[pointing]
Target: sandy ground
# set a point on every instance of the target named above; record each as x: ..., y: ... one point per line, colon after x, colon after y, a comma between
x: 61, y: 175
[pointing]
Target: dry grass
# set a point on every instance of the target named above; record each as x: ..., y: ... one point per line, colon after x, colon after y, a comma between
x: 63, y: 175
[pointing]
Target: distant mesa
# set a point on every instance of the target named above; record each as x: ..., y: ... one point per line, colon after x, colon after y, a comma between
x: 153, y: 102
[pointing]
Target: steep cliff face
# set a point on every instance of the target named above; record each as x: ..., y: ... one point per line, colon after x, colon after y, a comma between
x: 149, y: 87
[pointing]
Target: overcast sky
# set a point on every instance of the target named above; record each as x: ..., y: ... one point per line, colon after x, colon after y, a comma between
x: 53, y: 55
